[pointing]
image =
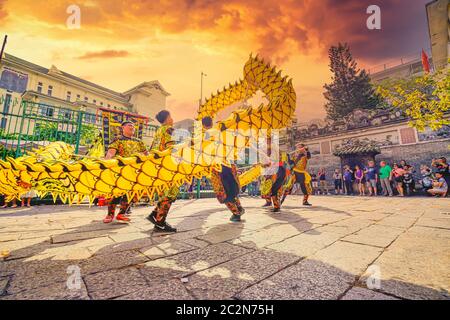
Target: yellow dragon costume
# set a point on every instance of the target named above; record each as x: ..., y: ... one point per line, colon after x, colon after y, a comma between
x: 52, y: 170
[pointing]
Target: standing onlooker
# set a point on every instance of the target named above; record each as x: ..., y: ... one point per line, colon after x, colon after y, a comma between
x: 442, y: 166
x: 348, y: 180
x: 337, y: 176
x: 359, y: 177
x: 440, y: 186
x: 371, y: 173
x: 408, y: 179
x: 402, y: 164
x: 385, y: 178
x: 322, y: 181
x: 314, y: 182
x: 398, y: 173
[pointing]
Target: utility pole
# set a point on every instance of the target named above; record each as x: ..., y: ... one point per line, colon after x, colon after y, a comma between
x: 201, y: 87
x: 200, y: 101
x: 3, y: 47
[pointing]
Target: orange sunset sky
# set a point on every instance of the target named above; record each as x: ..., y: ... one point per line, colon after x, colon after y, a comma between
x: 122, y: 43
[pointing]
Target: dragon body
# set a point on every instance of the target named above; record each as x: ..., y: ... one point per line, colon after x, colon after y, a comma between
x: 52, y: 170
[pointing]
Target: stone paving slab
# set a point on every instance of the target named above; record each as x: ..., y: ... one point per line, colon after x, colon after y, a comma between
x: 165, y: 249
x: 112, y: 261
x: 53, y: 291
x: 197, y: 260
x: 305, y: 244
x: 114, y: 283
x: 375, y: 235
x: 225, y: 280
x: 349, y: 257
x: 167, y: 290
x: 416, y: 265
x: 327, y: 251
x: 308, y: 279
x: 357, y: 293
x: 271, y: 235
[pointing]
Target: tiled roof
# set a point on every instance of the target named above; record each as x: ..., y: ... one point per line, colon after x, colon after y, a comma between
x: 357, y: 150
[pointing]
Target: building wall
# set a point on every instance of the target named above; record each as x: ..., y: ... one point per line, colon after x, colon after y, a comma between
x: 397, y: 141
x: 438, y: 14
x: 414, y: 154
x: 60, y: 89
x: 149, y: 104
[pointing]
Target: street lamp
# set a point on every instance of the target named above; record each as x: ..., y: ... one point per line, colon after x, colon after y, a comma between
x: 200, y: 101
x: 3, y: 47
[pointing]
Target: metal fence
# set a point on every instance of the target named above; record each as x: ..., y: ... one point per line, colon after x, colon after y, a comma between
x: 26, y: 125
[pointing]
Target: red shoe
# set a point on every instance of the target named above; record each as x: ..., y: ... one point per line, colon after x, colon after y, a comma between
x: 108, y: 219
x: 122, y: 217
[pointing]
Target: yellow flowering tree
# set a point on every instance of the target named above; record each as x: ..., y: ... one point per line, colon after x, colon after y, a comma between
x: 425, y: 99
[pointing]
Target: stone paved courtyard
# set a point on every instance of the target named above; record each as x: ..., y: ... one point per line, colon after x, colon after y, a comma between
x: 327, y: 251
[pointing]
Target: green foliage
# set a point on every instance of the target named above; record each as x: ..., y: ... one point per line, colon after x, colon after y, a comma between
x: 351, y: 88
x: 425, y: 99
x: 6, y: 152
x: 89, y: 134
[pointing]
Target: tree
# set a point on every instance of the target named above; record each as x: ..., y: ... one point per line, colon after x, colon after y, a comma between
x: 424, y: 99
x: 351, y: 88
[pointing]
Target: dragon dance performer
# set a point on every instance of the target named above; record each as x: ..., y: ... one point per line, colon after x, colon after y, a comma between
x: 266, y: 188
x: 225, y: 183
x: 124, y: 146
x: 290, y: 179
x: 278, y: 182
x: 162, y: 141
x: 302, y: 177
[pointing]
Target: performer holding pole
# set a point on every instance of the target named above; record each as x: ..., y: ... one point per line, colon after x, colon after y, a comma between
x: 124, y: 146
x: 162, y: 141
x: 278, y: 181
x: 290, y: 179
x: 226, y: 183
x: 302, y: 177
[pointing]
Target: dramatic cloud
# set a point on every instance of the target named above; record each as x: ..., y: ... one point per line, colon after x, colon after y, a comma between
x: 173, y: 41
x: 104, y: 54
x: 3, y: 12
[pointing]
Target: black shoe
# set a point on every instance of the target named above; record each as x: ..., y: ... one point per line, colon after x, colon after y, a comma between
x: 241, y: 210
x: 306, y: 203
x: 152, y: 218
x: 267, y: 205
x: 164, y: 227
x: 235, y: 218
x: 276, y: 210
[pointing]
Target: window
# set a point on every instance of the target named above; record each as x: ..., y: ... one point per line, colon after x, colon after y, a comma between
x: 67, y: 114
x: 39, y: 87
x: 95, y: 101
x: 7, y: 103
x: 69, y: 94
x: 46, y: 111
x: 78, y: 97
x: 90, y: 118
x: 86, y: 99
x: 50, y: 90
x: 3, y: 123
x: 101, y: 103
x: 109, y: 106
